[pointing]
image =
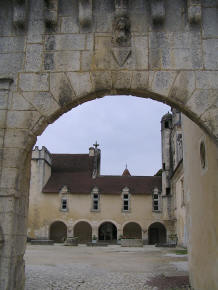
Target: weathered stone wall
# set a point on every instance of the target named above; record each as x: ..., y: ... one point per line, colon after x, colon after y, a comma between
x: 55, y: 55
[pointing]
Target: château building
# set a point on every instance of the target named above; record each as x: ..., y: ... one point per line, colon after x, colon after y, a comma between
x: 70, y: 198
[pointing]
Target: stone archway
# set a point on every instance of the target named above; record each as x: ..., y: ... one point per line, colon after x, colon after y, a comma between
x: 83, y: 231
x: 132, y: 230
x: 58, y: 232
x: 157, y: 234
x: 107, y: 231
x: 53, y: 60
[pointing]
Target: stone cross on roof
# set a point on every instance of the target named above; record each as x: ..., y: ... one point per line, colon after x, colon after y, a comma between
x: 96, y: 145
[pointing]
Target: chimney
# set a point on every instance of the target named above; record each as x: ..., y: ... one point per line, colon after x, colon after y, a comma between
x: 91, y: 151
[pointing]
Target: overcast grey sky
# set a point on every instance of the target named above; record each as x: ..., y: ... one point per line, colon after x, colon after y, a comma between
x: 126, y: 127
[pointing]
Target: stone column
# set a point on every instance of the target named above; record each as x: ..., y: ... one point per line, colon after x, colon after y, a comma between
x: 13, y: 221
x: 14, y: 190
x: 119, y: 232
x: 95, y: 231
x: 145, y: 237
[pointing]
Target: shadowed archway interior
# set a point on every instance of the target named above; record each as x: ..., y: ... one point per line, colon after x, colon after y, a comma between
x: 132, y: 230
x: 107, y: 232
x: 58, y: 232
x: 156, y: 234
x: 83, y: 231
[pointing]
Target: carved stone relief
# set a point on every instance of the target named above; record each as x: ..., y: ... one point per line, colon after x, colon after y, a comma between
x: 121, y: 31
x: 19, y: 13
x: 121, y: 39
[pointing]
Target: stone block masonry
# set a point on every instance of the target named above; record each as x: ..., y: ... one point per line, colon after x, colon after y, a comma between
x: 55, y: 55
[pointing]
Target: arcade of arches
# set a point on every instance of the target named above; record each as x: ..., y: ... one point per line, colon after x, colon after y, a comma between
x: 53, y: 59
x: 107, y: 231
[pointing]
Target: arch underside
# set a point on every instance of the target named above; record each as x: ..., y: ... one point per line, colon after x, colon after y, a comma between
x: 160, y: 86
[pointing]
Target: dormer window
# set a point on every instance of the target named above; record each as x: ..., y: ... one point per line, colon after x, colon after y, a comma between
x: 95, y: 199
x: 126, y: 200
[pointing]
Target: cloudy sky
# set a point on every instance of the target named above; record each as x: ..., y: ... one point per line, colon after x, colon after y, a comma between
x: 127, y: 129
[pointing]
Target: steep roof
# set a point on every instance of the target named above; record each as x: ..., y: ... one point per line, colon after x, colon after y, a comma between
x: 126, y: 172
x: 75, y: 171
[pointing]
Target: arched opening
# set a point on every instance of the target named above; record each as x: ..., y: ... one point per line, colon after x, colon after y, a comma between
x: 83, y: 231
x: 103, y: 235
x: 156, y: 233
x: 58, y: 232
x: 107, y: 232
x: 132, y: 230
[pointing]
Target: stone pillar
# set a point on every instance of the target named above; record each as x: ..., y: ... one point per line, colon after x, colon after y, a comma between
x: 145, y: 237
x: 95, y: 231
x: 14, y: 193
x: 119, y: 233
x: 14, y: 190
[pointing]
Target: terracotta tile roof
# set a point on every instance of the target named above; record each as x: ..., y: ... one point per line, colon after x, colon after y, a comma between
x: 75, y: 171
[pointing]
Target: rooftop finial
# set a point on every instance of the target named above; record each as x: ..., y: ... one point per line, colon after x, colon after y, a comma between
x: 96, y: 145
x: 126, y: 165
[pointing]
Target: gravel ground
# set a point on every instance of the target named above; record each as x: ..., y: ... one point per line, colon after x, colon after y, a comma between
x: 58, y: 267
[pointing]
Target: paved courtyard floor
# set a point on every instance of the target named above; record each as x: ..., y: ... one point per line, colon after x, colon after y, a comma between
x: 96, y: 268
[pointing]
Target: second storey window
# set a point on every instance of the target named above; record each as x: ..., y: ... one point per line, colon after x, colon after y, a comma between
x: 95, y: 199
x: 126, y: 199
x: 64, y: 198
x: 64, y: 204
x: 156, y: 200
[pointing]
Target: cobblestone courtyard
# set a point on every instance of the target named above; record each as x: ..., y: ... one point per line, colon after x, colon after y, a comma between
x: 58, y: 267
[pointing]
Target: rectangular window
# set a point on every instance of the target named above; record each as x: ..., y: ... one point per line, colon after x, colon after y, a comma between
x: 125, y: 202
x: 156, y: 202
x: 63, y: 204
x: 95, y: 201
